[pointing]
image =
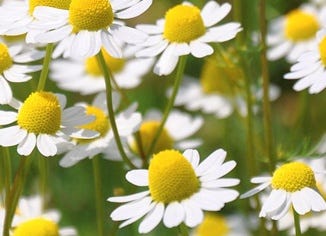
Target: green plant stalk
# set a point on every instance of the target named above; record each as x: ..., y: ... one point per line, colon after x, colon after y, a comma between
x: 109, y: 103
x: 45, y: 68
x: 43, y: 167
x: 183, y: 230
x: 6, y: 170
x: 98, y: 195
x: 177, y: 82
x: 13, y: 197
x: 297, y: 223
x: 140, y: 148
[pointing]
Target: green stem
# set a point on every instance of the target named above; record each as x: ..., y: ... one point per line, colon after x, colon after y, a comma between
x: 6, y: 170
x: 177, y: 82
x: 98, y: 196
x: 43, y: 167
x: 109, y: 104
x: 45, y: 68
x: 297, y: 223
x: 265, y: 76
x: 120, y: 90
x: 13, y: 197
x: 183, y: 230
x: 140, y: 148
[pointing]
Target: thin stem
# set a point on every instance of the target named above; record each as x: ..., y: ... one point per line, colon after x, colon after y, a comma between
x: 98, y: 195
x: 13, y: 197
x: 140, y: 148
x: 177, y: 82
x: 297, y: 223
x: 120, y: 90
x: 265, y: 77
x: 45, y: 68
x: 43, y: 167
x: 183, y: 230
x: 6, y: 170
x: 109, y: 104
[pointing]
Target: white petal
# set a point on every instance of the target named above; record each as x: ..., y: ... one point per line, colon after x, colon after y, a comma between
x: 174, y: 215
x: 220, y: 183
x: 167, y: 62
x: 134, y: 10
x: 46, y: 145
x: 150, y: 29
x: 138, y: 177
x: 255, y: 190
x: 5, y: 91
x: 110, y: 44
x: 299, y: 203
x: 222, y: 170
x: 29, y: 56
x: 213, y: 13
x: 214, y: 159
x: 153, y: 50
x: 143, y: 212
x: 128, y: 34
x: 315, y: 199
x: 200, y: 49
x: 259, y: 180
x: 54, y: 35
x: 274, y: 201
x: 278, y: 51
x: 75, y: 116
x: 282, y: 210
x: 7, y: 117
x: 12, y: 136
x: 192, y: 156
x: 128, y: 198
x: 194, y: 215
x: 182, y: 49
x: 27, y: 145
x: 152, y: 219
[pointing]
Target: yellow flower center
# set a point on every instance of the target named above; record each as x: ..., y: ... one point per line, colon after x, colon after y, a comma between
x: 293, y: 177
x: 183, y: 24
x: 147, y: 132
x: 61, y: 4
x: 37, y: 227
x: 40, y: 113
x: 213, y: 225
x: 300, y: 26
x: 171, y: 177
x: 91, y: 15
x: 115, y: 64
x: 322, y: 51
x: 5, y: 58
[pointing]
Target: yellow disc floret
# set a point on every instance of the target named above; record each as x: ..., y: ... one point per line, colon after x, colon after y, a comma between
x: 183, y: 24
x: 40, y: 113
x: 115, y: 64
x: 5, y: 58
x: 37, y: 227
x: 322, y: 51
x: 293, y: 177
x: 171, y: 177
x: 213, y: 225
x: 300, y: 26
x: 101, y: 122
x: 61, y: 4
x: 91, y: 15
x: 147, y: 132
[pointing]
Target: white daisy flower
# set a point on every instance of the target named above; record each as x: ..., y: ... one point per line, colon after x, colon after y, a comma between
x: 89, y: 25
x: 33, y: 220
x: 127, y: 122
x: 42, y: 121
x: 294, y: 33
x: 180, y: 189
x: 310, y: 69
x: 86, y: 76
x: 293, y: 184
x: 15, y: 68
x: 186, y: 30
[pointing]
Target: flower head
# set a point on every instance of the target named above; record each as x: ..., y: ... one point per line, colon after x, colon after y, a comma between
x: 179, y: 189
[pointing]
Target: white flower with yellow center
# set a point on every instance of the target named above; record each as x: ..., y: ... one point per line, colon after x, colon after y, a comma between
x: 180, y: 189
x: 178, y: 128
x: 293, y: 184
x: 127, y: 122
x: 186, y: 30
x: 14, y: 67
x: 310, y: 68
x: 86, y: 76
x: 294, y: 33
x: 16, y: 16
x: 42, y: 121
x: 33, y: 220
x: 89, y: 25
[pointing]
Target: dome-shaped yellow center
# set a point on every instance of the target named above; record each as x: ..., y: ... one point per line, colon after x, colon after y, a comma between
x: 147, y: 132
x: 213, y: 225
x: 100, y: 123
x: 61, y: 4
x: 37, y: 227
x: 183, y: 24
x: 171, y: 177
x: 91, y: 15
x: 293, y: 177
x: 93, y: 68
x: 5, y: 58
x: 322, y: 51
x: 40, y: 113
x: 300, y: 26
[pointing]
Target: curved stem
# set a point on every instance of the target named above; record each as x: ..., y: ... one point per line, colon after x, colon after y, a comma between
x: 109, y: 104
x: 45, y: 68
x: 98, y: 195
x: 297, y: 223
x: 6, y: 170
x: 177, y: 82
x: 43, y: 167
x: 183, y: 230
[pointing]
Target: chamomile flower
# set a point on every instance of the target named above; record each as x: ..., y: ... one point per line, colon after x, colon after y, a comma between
x: 14, y: 67
x: 178, y: 128
x: 86, y: 76
x: 33, y: 220
x: 179, y: 190
x: 127, y: 122
x: 186, y: 30
x: 42, y: 121
x: 294, y: 33
x: 293, y: 184
x: 89, y: 25
x: 310, y: 68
